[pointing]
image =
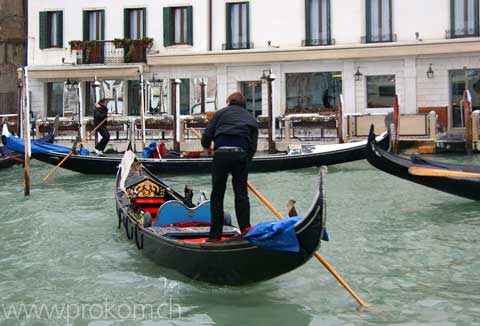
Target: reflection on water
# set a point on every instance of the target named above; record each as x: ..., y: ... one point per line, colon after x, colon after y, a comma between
x: 410, y: 251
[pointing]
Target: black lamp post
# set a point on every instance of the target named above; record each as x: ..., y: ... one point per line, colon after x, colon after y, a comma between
x: 157, y: 83
x: 268, y: 77
x: 74, y: 87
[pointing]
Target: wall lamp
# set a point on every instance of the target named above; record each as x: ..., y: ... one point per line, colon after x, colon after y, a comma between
x: 430, y: 72
x: 358, y: 75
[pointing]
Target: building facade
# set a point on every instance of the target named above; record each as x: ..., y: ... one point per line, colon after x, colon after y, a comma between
x: 425, y: 51
x: 12, y: 52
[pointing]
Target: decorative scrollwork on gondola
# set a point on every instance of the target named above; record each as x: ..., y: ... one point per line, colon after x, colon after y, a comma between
x: 148, y: 189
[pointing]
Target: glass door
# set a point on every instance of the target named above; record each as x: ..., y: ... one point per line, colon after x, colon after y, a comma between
x: 461, y: 80
x: 252, y: 90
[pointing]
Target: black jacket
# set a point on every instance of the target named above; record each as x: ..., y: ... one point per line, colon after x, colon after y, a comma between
x: 232, y: 120
x: 99, y: 114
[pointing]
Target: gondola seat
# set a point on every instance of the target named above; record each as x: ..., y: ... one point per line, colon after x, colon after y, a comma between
x: 191, y: 232
x: 174, y: 211
x: 150, y: 205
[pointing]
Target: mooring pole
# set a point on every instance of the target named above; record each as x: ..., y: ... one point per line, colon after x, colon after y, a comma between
x: 176, y: 114
x: 340, y: 120
x: 142, y: 110
x: 202, y: 96
x: 26, y: 125
x: 468, y: 122
x: 396, y: 119
x: 271, y: 118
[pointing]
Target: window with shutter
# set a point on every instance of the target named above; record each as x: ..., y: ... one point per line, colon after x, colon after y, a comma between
x: 43, y: 28
x: 94, y: 30
x: 135, y: 23
x: 178, y: 25
x: 379, y: 21
x: 317, y: 20
x: 51, y: 29
x: 464, y: 18
x: 167, y: 26
x: 238, y: 33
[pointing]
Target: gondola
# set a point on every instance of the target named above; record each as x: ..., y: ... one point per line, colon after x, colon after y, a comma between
x: 232, y: 261
x: 9, y: 157
x: 398, y: 166
x: 311, y: 155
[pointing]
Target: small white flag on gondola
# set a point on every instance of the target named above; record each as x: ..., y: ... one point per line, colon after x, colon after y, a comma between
x: 5, y: 131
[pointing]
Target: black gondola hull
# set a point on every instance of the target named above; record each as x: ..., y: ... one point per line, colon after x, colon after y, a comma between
x: 17, y: 158
x: 261, y: 163
x: 398, y: 166
x: 232, y: 262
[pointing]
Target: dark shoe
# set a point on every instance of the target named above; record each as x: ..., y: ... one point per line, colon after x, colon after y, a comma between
x: 212, y: 240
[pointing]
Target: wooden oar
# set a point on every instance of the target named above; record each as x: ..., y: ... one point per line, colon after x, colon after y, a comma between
x: 317, y: 254
x: 84, y: 140
x: 13, y: 158
x: 429, y: 172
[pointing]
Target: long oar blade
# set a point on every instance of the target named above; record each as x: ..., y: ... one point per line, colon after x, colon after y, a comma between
x: 429, y: 172
x: 71, y: 153
x: 317, y: 254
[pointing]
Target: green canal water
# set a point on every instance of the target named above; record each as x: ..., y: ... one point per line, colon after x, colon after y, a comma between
x: 410, y: 252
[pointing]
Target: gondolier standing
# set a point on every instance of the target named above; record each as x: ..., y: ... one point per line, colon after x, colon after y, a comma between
x: 100, y: 113
x: 234, y: 132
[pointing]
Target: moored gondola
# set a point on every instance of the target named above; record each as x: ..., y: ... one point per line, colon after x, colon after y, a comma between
x: 181, y: 247
x: 10, y: 157
x: 399, y: 166
x: 313, y: 155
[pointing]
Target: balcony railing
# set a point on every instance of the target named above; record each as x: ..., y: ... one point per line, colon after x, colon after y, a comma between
x: 461, y: 32
x: 379, y: 38
x: 237, y: 46
x: 106, y: 52
x: 318, y: 42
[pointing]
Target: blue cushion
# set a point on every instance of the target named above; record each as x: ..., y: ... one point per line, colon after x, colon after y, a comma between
x: 175, y: 211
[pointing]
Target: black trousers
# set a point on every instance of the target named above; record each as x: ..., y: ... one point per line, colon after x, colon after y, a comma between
x: 103, y: 131
x: 224, y: 163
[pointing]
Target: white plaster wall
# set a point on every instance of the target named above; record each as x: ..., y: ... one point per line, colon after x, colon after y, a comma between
x: 280, y: 21
x: 73, y: 21
x: 436, y: 91
x: 431, y: 18
x: 375, y: 68
x: 348, y: 22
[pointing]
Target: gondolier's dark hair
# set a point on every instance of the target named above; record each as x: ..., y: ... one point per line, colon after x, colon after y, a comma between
x: 237, y: 98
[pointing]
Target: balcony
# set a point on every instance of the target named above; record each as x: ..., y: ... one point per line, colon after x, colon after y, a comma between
x: 461, y: 32
x: 117, y: 51
x: 379, y: 38
x: 237, y: 46
x: 318, y: 42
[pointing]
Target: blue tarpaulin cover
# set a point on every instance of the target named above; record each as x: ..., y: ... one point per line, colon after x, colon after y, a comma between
x: 16, y: 144
x: 148, y: 151
x: 275, y: 235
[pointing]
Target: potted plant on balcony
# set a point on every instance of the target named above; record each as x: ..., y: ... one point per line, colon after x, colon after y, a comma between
x: 76, y: 45
x: 119, y: 43
x: 145, y: 42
